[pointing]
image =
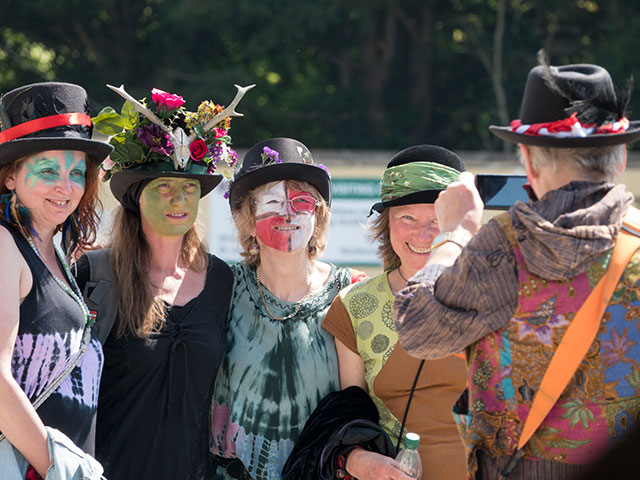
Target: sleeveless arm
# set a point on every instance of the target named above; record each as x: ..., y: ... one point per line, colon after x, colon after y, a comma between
x: 18, y: 419
x: 350, y: 364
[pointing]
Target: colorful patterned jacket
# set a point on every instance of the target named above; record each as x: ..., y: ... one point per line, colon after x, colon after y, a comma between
x: 509, y: 298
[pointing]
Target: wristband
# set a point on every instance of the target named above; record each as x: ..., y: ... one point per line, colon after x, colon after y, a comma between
x: 459, y: 237
x: 341, y: 471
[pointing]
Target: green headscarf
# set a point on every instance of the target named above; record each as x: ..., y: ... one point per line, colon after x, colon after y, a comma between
x: 413, y: 177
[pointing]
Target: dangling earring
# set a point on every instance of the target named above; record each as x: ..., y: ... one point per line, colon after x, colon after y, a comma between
x: 6, y: 199
x: 313, y: 250
x: 17, y: 214
x: 254, y: 248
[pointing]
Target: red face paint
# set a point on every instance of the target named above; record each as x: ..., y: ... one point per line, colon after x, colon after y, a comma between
x: 285, y: 218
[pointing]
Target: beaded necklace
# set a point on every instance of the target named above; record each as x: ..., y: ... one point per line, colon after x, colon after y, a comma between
x: 64, y: 286
x: 266, y: 308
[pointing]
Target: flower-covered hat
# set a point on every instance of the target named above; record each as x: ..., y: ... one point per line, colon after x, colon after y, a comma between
x: 47, y: 116
x: 417, y: 175
x: 277, y: 159
x: 571, y: 106
x: 167, y: 142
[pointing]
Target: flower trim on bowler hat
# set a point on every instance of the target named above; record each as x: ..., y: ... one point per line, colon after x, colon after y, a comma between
x: 276, y: 159
x: 168, y: 133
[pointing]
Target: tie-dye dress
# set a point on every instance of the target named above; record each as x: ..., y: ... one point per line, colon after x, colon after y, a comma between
x: 273, y: 375
x: 52, y: 323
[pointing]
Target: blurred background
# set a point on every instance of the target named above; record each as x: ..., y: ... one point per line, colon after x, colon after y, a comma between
x: 355, y: 81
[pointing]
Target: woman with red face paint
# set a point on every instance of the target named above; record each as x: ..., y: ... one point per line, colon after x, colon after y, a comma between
x: 360, y: 319
x: 279, y: 361
x: 50, y: 364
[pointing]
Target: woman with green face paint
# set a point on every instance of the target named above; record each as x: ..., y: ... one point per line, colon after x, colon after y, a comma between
x: 50, y: 364
x: 164, y: 335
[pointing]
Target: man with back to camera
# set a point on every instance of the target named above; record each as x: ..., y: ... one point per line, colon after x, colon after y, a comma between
x: 507, y: 292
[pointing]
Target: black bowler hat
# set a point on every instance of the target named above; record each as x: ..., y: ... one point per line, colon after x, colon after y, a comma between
x: 568, y: 93
x: 433, y: 168
x: 47, y: 116
x: 122, y: 180
x: 277, y: 159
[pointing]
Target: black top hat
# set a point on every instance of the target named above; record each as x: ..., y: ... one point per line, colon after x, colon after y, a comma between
x: 273, y: 160
x: 47, y: 116
x: 556, y: 93
x: 421, y: 153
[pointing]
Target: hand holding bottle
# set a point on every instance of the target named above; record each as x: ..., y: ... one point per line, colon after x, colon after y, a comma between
x: 408, y: 456
x: 365, y: 465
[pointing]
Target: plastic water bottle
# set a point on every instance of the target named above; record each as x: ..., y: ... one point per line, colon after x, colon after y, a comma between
x: 408, y: 456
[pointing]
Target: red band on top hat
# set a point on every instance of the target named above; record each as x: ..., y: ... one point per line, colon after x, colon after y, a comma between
x: 43, y: 123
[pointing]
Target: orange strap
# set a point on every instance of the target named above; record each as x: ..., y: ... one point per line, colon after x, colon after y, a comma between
x: 583, y: 328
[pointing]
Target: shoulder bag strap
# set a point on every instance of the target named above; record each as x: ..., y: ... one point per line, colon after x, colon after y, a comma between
x: 580, y: 334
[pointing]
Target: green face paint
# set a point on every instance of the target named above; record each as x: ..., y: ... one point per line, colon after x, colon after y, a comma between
x: 170, y: 205
x: 77, y: 168
x: 49, y: 168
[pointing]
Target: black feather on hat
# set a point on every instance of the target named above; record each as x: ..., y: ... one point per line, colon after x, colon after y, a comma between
x: 585, y: 91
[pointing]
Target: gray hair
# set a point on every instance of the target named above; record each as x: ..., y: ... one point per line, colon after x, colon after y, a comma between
x: 605, y: 161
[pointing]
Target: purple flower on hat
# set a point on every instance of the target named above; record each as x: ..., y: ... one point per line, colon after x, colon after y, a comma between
x: 221, y: 151
x: 270, y: 156
x: 156, y: 139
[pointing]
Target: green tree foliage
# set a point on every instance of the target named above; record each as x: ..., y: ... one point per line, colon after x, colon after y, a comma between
x: 333, y: 73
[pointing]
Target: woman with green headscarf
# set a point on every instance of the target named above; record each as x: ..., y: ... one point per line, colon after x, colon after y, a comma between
x: 360, y: 319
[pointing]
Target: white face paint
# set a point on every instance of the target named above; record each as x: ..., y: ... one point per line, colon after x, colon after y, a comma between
x: 285, y: 217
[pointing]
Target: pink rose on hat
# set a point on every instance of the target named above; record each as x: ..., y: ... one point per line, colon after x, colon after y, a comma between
x: 166, y: 100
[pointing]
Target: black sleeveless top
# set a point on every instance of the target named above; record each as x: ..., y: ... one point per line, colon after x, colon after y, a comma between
x: 155, y: 395
x: 50, y: 332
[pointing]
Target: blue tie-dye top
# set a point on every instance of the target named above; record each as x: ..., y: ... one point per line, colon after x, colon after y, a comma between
x: 49, y: 338
x: 274, y: 373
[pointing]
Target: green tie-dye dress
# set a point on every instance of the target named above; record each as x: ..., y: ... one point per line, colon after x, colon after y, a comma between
x: 273, y: 375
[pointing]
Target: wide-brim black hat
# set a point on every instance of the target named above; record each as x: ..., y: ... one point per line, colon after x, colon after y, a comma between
x: 555, y: 93
x: 47, y: 116
x: 421, y: 153
x: 122, y: 180
x: 293, y: 162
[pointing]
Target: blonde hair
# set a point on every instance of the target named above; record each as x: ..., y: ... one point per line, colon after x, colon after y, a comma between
x: 245, y: 220
x: 380, y: 231
x: 140, y: 312
x: 605, y: 161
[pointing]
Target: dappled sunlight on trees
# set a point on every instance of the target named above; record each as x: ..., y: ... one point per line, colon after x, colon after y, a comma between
x: 336, y: 73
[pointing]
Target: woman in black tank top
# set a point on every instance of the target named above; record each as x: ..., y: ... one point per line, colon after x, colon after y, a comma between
x: 48, y: 184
